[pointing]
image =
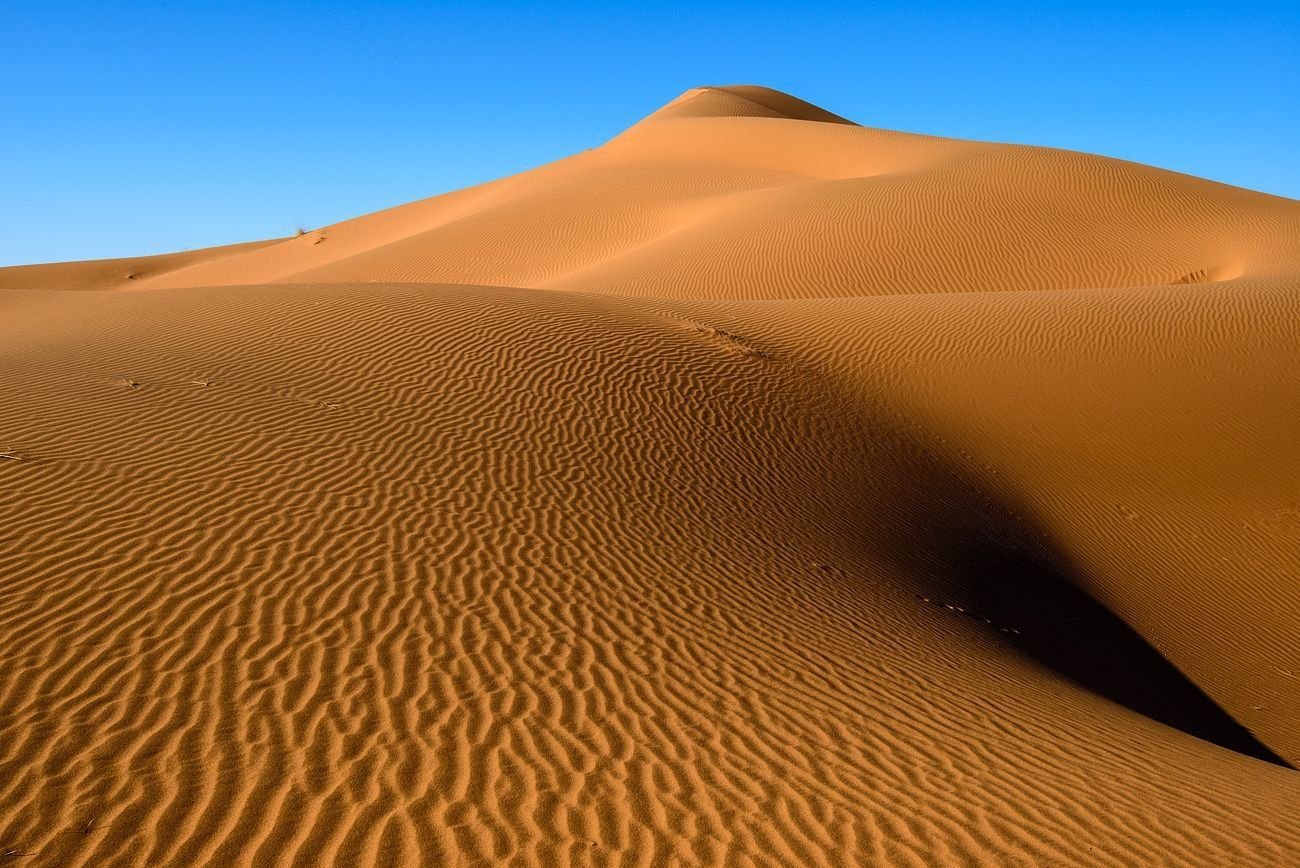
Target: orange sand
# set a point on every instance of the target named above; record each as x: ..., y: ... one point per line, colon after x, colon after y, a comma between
x: 756, y: 488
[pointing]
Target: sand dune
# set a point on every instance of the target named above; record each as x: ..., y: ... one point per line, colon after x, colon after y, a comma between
x: 756, y: 488
x: 96, y: 274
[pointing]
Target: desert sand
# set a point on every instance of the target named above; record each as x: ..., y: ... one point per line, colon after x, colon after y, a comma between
x: 755, y: 488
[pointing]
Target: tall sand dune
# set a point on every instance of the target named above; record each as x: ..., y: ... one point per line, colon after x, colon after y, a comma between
x: 755, y: 488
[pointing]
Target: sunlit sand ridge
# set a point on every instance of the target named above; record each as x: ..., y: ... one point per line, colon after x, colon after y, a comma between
x: 756, y: 488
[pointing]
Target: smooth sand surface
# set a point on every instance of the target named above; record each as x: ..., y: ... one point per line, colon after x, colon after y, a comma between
x: 756, y: 488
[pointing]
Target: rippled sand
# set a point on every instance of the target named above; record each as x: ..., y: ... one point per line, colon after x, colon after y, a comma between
x: 755, y: 488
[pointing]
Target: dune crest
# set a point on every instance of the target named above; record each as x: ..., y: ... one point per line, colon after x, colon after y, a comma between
x: 744, y: 101
x: 756, y: 488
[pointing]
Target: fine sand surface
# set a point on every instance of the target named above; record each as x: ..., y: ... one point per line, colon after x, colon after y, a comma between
x: 756, y: 488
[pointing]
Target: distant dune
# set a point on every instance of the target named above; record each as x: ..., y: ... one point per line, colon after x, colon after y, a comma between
x: 756, y: 488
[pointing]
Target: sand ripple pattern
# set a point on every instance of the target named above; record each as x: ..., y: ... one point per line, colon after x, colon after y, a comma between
x: 452, y: 575
x: 753, y: 489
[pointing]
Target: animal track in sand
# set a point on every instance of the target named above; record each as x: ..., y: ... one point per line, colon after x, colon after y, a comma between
x: 1210, y: 274
x: 731, y: 340
x: 959, y: 610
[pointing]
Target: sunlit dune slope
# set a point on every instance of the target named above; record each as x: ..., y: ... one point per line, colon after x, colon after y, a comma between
x: 720, y: 196
x: 423, y: 571
x: 756, y: 488
x: 97, y: 274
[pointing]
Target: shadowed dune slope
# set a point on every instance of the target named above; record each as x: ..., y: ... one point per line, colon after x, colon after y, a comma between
x: 754, y: 489
x: 1150, y: 433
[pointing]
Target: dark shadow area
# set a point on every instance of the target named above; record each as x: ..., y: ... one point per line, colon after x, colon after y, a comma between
x: 983, y: 559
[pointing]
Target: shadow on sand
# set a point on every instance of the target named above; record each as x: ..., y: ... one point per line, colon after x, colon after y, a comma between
x: 985, y: 559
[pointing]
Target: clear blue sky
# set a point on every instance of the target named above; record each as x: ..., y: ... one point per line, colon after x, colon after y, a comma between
x: 128, y: 129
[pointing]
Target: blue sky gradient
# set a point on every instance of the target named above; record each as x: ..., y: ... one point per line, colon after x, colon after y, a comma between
x: 128, y: 129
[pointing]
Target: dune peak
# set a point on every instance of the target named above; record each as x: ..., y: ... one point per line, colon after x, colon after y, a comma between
x: 745, y: 100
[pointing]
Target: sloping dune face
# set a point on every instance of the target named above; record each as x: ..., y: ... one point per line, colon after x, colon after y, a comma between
x: 746, y: 193
x: 755, y: 489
